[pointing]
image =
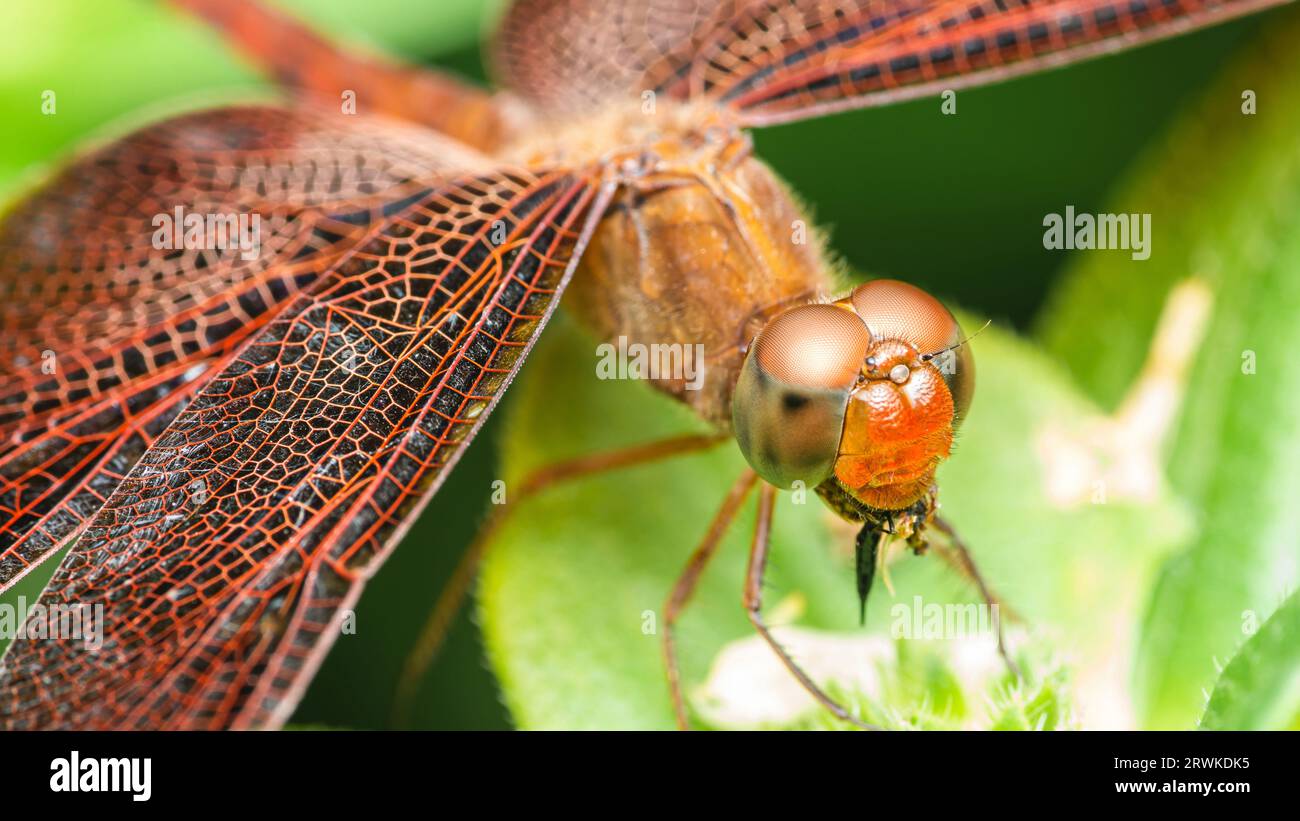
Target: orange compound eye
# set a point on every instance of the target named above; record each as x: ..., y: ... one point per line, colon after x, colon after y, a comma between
x: 897, y: 310
x: 790, y: 400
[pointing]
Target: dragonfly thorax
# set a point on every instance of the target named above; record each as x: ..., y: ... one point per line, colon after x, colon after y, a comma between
x: 687, y: 256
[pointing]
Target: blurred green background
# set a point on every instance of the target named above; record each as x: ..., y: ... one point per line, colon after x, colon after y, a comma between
x: 951, y: 203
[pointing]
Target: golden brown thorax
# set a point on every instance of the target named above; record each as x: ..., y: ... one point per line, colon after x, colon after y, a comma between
x: 700, y: 243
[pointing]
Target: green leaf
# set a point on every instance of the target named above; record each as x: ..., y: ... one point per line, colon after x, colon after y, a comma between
x: 1260, y: 687
x: 571, y: 591
x: 929, y: 687
x: 1223, y: 190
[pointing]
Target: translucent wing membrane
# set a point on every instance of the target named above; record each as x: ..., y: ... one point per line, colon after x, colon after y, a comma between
x: 831, y: 56
x: 780, y: 60
x: 570, y: 55
x: 106, y: 336
x: 224, y: 559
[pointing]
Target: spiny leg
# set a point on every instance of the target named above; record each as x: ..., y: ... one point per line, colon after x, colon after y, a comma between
x: 968, y: 562
x: 686, y: 582
x: 754, y: 607
x: 453, y: 593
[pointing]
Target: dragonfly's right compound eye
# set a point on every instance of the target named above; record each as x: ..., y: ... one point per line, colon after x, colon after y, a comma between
x: 788, y: 409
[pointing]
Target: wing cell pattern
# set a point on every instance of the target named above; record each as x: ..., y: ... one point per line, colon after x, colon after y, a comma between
x: 226, y: 556
x: 773, y: 61
x: 106, y: 336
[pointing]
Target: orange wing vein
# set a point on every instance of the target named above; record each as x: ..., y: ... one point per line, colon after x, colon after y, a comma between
x: 224, y: 561
x: 106, y: 337
x: 774, y: 61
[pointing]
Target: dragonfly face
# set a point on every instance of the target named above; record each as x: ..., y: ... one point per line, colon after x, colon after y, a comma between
x: 865, y: 392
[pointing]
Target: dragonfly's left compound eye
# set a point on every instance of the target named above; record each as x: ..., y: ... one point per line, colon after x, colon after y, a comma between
x: 788, y: 410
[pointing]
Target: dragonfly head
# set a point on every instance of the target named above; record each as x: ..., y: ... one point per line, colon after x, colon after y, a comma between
x: 866, y: 391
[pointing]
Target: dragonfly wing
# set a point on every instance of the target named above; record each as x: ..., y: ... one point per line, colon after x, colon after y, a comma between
x: 106, y: 336
x: 226, y: 559
x: 805, y: 58
x: 307, y: 64
x: 570, y: 55
x: 780, y: 60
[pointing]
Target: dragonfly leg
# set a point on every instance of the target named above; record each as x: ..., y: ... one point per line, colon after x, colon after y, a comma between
x: 754, y: 608
x: 966, y: 563
x: 453, y: 592
x: 685, y: 586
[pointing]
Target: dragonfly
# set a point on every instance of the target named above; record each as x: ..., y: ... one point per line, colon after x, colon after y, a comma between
x: 233, y: 437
